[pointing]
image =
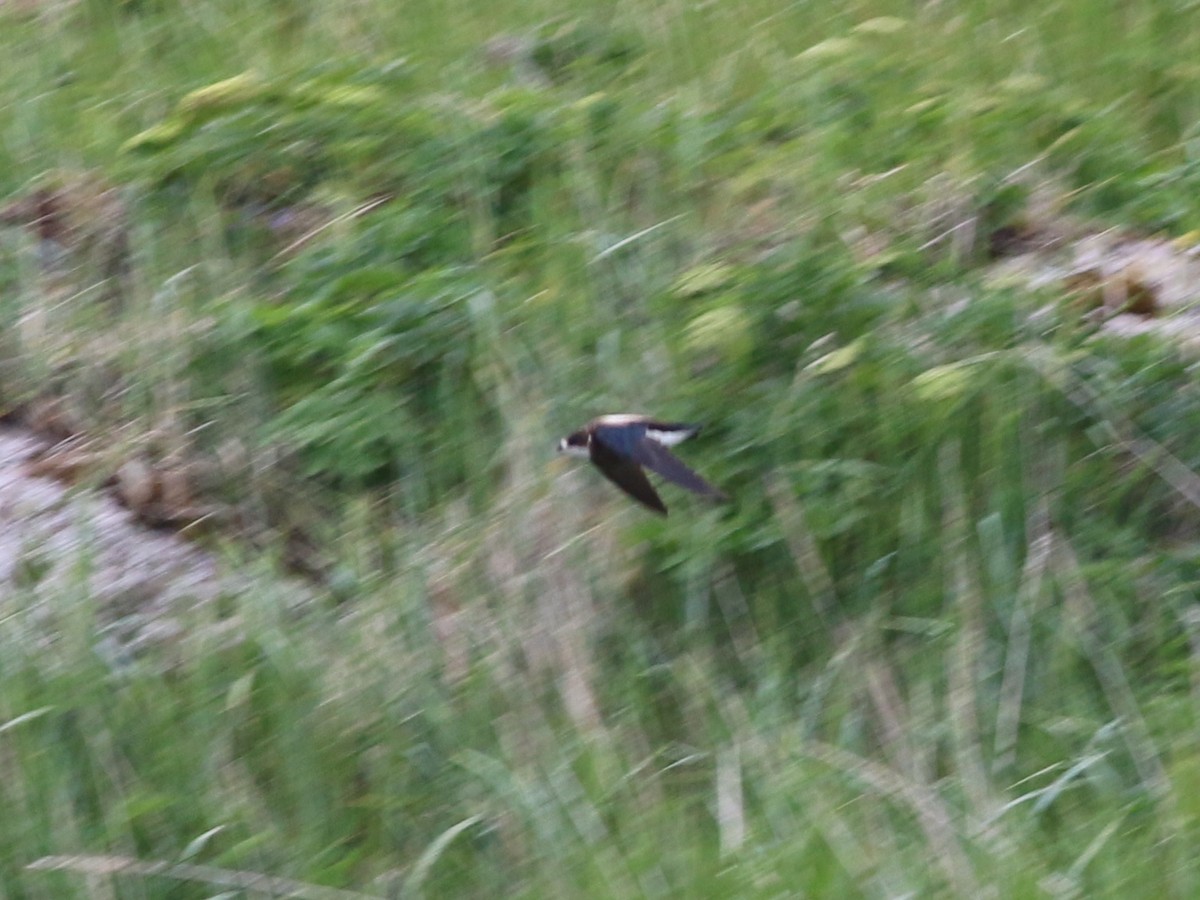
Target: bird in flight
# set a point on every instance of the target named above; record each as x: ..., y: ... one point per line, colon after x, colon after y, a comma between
x: 620, y: 445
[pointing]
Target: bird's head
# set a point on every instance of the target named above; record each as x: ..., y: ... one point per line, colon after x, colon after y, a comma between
x: 575, y: 444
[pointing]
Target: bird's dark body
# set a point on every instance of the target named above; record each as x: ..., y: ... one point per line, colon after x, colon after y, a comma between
x: 621, y: 445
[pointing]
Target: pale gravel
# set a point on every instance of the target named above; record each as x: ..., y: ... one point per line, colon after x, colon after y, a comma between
x: 62, y: 545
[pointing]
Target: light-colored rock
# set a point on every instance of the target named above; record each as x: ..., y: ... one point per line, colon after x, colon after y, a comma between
x: 61, y: 546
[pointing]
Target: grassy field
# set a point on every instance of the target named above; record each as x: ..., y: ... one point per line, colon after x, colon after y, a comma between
x: 361, y: 264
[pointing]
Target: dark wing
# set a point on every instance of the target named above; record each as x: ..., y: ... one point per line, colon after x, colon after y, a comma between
x: 657, y: 458
x: 627, y: 475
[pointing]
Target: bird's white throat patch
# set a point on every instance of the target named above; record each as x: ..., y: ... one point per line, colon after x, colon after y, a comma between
x: 573, y: 450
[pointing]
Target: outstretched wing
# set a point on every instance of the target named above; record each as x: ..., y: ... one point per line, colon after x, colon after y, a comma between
x: 627, y: 475
x: 654, y: 456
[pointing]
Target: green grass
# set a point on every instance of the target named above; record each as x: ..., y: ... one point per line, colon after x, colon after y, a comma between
x: 943, y: 641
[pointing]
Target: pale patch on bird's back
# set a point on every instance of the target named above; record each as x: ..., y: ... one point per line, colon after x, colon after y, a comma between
x: 670, y: 438
x: 619, y: 419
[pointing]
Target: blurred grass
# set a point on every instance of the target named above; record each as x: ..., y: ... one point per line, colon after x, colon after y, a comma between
x: 943, y: 641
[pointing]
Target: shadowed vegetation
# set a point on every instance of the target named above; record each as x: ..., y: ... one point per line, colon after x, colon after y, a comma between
x: 368, y: 263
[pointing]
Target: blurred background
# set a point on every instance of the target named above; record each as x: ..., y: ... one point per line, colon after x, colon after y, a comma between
x: 297, y: 298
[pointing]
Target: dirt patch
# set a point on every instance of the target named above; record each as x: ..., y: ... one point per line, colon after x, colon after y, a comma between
x: 58, y: 543
x: 1128, y: 284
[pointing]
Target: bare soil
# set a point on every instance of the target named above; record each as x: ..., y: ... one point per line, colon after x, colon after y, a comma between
x: 65, y: 548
